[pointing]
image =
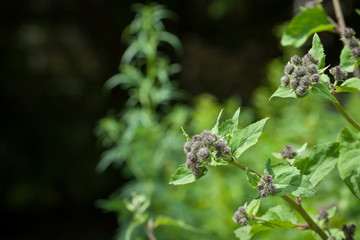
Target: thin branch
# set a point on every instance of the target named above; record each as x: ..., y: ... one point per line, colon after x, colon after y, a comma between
x: 339, y: 16
x: 345, y: 115
x: 312, y: 225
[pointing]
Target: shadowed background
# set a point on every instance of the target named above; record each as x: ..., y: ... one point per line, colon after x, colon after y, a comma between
x: 56, y: 56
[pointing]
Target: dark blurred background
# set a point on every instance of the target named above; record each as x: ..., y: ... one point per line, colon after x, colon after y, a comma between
x: 56, y: 56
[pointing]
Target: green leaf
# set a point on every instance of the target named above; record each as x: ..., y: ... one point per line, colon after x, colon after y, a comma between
x: 302, y: 26
x: 230, y: 125
x: 283, y: 92
x: 167, y: 221
x: 281, y: 212
x: 253, y: 207
x: 287, y: 179
x: 182, y: 176
x: 331, y: 212
x: 321, y: 161
x: 241, y: 140
x: 252, y: 178
x: 324, y: 79
x: 349, y: 169
x: 243, y: 233
x: 215, y: 129
x: 347, y: 61
x: 350, y: 85
x: 348, y: 140
x: 317, y: 50
x: 172, y: 40
x: 321, y: 90
x: 357, y: 11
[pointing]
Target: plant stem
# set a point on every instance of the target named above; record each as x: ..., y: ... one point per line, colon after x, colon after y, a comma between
x: 149, y: 232
x: 345, y: 115
x: 290, y: 201
x: 306, y: 217
x: 339, y: 16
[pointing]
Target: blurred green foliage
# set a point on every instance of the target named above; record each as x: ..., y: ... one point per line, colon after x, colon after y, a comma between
x: 146, y: 140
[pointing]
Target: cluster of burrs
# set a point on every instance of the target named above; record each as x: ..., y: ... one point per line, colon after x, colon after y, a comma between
x: 240, y: 216
x: 349, y: 231
x: 338, y: 73
x: 352, y: 42
x: 265, y: 186
x: 300, y: 73
x: 199, y: 149
x: 288, y: 152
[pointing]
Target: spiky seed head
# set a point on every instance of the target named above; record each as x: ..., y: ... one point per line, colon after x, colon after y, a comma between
x: 205, y: 133
x: 190, y: 156
x: 348, y: 32
x: 294, y: 83
x: 196, y: 138
x: 305, y: 81
x: 288, y: 152
x: 196, y: 145
x: 315, y: 78
x: 203, y: 153
x: 262, y: 193
x: 220, y: 145
x: 299, y: 71
x: 296, y: 60
x: 226, y: 150
x: 267, y: 178
x: 284, y: 80
x: 308, y: 59
x: 353, y: 43
x: 355, y: 52
x: 187, y: 147
x: 312, y: 68
x: 260, y: 185
x: 301, y: 91
x: 209, y: 140
x: 289, y: 69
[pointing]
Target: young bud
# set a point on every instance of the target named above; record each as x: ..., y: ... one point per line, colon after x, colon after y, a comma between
x: 271, y: 189
x: 260, y: 185
x: 299, y: 71
x: 205, y: 133
x: 323, y: 214
x: 190, y: 156
x: 288, y: 152
x: 203, y: 153
x: 240, y: 216
x: 262, y: 193
x: 187, y: 147
x: 338, y: 73
x: 289, y: 69
x: 353, y: 43
x: 197, y: 171
x: 305, y: 81
x: 348, y: 32
x: 309, y: 59
x: 315, y: 78
x: 220, y: 145
x: 267, y: 178
x: 301, y: 91
x: 195, y: 146
x: 296, y: 60
x: 226, y: 150
x: 355, y: 52
x: 196, y: 138
x: 284, y: 80
x: 294, y: 83
x: 189, y: 164
x: 312, y: 69
x: 209, y: 140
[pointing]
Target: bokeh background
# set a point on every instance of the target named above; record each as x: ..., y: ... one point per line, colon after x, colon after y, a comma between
x: 55, y: 58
